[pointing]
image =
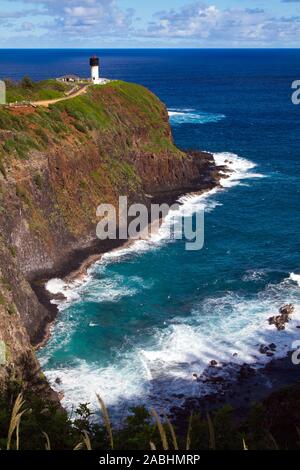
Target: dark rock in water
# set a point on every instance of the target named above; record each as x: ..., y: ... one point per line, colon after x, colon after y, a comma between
x: 216, y: 379
x: 195, y: 375
x: 268, y: 350
x: 60, y: 296
x: 287, y: 309
x: 280, y: 320
x: 246, y: 371
x: 263, y: 349
x: 235, y: 354
x: 58, y: 381
x: 213, y: 363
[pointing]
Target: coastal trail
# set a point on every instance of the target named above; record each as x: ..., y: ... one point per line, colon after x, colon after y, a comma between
x: 76, y: 92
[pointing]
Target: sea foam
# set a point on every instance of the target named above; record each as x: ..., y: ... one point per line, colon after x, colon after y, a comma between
x: 228, y: 329
x: 218, y: 328
x: 296, y: 278
x: 191, y: 116
x: 238, y: 169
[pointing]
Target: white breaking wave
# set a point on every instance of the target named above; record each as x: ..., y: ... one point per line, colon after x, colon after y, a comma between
x: 254, y: 276
x: 56, y: 286
x: 191, y: 116
x: 92, y: 289
x: 115, y: 383
x: 295, y: 277
x: 238, y: 169
x: 220, y: 327
x: 68, y: 290
x: 228, y: 329
x: 223, y: 326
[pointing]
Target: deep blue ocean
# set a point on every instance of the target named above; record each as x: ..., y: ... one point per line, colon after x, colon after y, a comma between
x: 149, y: 317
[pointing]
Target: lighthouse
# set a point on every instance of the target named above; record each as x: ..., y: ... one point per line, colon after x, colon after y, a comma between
x: 94, y: 63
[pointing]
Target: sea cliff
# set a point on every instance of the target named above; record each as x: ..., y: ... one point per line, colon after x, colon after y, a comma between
x: 57, y: 164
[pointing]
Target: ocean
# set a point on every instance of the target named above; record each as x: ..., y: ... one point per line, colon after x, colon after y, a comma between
x: 150, y: 316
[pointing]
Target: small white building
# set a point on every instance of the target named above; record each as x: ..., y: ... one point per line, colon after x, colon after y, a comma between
x: 69, y: 79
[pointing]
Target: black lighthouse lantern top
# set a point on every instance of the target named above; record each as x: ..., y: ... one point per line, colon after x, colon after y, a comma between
x: 94, y: 61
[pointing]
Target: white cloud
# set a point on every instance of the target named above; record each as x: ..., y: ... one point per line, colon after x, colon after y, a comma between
x: 210, y: 25
x: 84, y: 17
x: 84, y: 23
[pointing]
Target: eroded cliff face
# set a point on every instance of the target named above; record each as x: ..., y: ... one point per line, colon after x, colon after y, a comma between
x: 57, y: 166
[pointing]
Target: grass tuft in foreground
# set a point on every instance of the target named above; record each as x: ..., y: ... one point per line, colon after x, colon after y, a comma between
x: 31, y: 423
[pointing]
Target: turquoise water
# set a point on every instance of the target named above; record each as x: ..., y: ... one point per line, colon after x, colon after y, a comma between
x: 150, y: 316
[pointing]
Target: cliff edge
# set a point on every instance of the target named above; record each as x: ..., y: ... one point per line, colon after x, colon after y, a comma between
x: 57, y: 165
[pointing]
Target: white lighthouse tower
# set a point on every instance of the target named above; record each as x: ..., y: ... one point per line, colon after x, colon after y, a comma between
x: 94, y: 63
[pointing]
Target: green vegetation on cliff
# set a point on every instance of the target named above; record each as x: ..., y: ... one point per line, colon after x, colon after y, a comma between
x: 117, y: 107
x: 119, y: 122
x: 120, y: 105
x: 57, y: 164
x: 27, y: 90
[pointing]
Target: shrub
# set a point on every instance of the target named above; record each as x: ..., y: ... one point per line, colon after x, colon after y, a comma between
x: 21, y: 144
x: 42, y: 134
x: 38, y: 180
x: 2, y: 168
x: 27, y: 83
x: 80, y: 127
x: 11, y: 309
x: 9, y: 145
x: 13, y: 251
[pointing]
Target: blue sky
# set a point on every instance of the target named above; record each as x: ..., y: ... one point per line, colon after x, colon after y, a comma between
x: 149, y: 23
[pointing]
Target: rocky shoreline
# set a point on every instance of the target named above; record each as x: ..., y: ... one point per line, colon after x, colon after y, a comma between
x: 50, y: 199
x: 248, y: 384
x: 52, y: 188
x: 243, y: 385
x: 75, y: 266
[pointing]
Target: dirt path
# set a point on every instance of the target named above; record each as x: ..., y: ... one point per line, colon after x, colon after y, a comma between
x: 46, y: 103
